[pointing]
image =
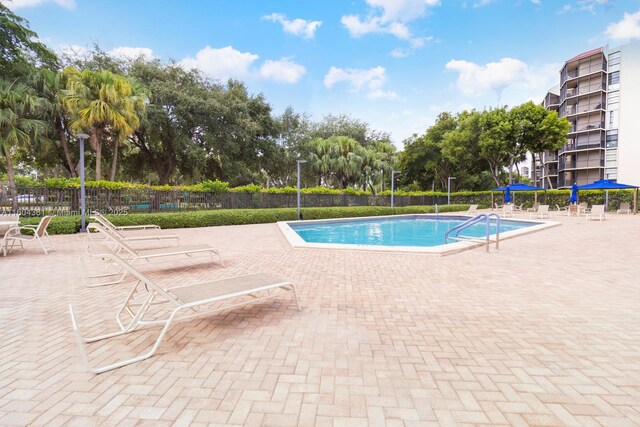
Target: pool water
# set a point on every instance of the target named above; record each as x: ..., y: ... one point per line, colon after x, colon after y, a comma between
x: 412, y: 231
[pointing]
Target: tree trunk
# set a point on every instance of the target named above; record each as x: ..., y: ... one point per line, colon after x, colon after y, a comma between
x: 65, y: 147
x: 114, y: 161
x: 96, y: 142
x: 12, y: 181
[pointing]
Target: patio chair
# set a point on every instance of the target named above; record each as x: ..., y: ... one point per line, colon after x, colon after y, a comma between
x: 104, y: 221
x: 147, y: 295
x: 473, y: 209
x: 562, y: 208
x: 534, y: 208
x: 583, y: 208
x: 543, y: 210
x: 596, y: 211
x: 39, y: 233
x: 518, y: 207
x: 124, y: 232
x: 507, y: 210
x: 624, y: 208
x: 131, y: 255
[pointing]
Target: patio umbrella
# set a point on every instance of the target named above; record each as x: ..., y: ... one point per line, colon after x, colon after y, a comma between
x: 574, y: 194
x: 605, y: 184
x: 517, y: 186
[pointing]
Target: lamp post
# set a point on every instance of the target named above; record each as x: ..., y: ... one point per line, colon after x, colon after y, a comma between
x: 83, y: 227
x: 449, y: 189
x: 393, y: 178
x: 298, y: 204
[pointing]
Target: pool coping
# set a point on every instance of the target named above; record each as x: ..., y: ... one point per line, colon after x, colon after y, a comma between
x: 445, y: 249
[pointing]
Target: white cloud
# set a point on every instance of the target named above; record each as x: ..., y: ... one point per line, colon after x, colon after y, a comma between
x: 538, y: 2
x: 626, y: 29
x: 19, y: 4
x: 481, y: 3
x: 388, y: 17
x: 283, y: 70
x: 370, y: 81
x: 221, y: 64
x: 590, y: 5
x: 126, y: 52
x: 297, y: 27
x: 476, y: 80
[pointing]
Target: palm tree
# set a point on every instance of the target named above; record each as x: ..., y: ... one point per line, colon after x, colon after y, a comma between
x: 19, y: 125
x: 50, y: 85
x: 101, y: 101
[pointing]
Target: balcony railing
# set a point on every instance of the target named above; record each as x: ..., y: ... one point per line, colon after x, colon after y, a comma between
x: 578, y: 147
x: 582, y: 108
x: 583, y: 90
x: 581, y: 164
x: 586, y: 127
x: 584, y: 71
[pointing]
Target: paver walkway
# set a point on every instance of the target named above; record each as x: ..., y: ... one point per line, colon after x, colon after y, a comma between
x: 544, y: 332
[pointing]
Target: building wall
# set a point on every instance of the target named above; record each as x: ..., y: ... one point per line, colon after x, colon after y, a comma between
x: 629, y: 116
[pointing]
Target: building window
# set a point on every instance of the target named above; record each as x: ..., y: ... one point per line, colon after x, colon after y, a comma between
x: 614, y: 58
x: 613, y: 98
x: 614, y: 78
x: 612, y: 138
x: 613, y: 119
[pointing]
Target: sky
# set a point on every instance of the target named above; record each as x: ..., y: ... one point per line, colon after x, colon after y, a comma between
x: 395, y: 64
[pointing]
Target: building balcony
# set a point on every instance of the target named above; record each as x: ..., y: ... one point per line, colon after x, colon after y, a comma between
x: 581, y: 164
x: 583, y: 90
x: 581, y: 147
x: 589, y: 127
x: 575, y: 109
x: 582, y: 72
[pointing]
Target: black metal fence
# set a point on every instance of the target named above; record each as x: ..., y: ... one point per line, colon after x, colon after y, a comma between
x: 37, y: 201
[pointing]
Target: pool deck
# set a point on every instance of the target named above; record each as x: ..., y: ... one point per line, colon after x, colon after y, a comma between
x: 545, y: 331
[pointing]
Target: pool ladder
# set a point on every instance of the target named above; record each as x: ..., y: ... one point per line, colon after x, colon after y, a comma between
x: 476, y: 219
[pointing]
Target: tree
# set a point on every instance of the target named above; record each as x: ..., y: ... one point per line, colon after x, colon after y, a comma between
x: 495, y: 140
x: 20, y: 49
x: 50, y: 86
x: 19, y: 123
x: 101, y: 101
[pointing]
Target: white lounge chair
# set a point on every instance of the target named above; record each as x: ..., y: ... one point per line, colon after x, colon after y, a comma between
x: 138, y: 235
x: 104, y: 221
x: 597, y: 211
x: 624, y: 208
x: 507, y: 210
x: 39, y: 234
x: 543, y: 211
x: 131, y: 255
x: 535, y: 207
x: 473, y: 209
x: 147, y: 295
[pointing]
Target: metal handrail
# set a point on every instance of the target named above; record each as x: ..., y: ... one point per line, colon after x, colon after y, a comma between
x: 471, y: 221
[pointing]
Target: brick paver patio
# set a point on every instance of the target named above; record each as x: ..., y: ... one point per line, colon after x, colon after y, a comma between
x: 544, y: 332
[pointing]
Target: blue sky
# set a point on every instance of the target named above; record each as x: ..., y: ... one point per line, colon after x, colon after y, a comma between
x: 393, y: 63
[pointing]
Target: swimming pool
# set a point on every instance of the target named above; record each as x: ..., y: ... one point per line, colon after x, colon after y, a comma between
x: 413, y: 233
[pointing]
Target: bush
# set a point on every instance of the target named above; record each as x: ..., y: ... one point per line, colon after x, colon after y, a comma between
x: 71, y: 224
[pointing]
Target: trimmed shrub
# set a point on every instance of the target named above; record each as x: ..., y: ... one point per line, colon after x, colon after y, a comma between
x: 211, y: 218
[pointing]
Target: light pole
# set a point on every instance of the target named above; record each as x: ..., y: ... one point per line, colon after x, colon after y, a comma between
x: 449, y: 189
x: 299, y: 163
x: 83, y: 227
x: 393, y: 178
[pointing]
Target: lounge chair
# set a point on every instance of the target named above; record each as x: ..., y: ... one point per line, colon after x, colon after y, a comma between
x: 534, y: 208
x: 562, y: 208
x: 104, y: 221
x: 624, y: 208
x: 143, y: 234
x: 543, y: 210
x: 473, y: 209
x: 583, y: 208
x: 131, y: 255
x: 507, y: 210
x: 518, y: 207
x: 596, y: 211
x: 147, y: 295
x: 39, y: 234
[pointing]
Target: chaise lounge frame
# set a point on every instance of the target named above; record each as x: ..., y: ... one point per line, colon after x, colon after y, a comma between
x: 185, y: 297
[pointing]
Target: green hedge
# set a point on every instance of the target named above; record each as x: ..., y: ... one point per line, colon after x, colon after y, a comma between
x: 71, y: 224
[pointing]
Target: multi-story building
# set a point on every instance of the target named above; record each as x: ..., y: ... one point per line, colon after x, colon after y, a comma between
x: 599, y: 93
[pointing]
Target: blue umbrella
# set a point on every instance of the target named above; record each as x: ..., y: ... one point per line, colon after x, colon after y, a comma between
x: 605, y: 184
x: 574, y: 194
x: 517, y: 186
x: 507, y: 195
